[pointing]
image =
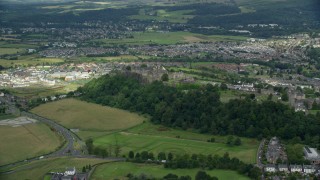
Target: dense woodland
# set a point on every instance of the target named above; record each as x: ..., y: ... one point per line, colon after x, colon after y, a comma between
x: 202, y: 110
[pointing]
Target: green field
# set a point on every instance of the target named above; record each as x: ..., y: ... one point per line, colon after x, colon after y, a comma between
x: 29, y: 60
x: 88, y: 117
x: 141, y: 38
x: 156, y: 138
x: 37, y: 169
x: 26, y: 141
x: 180, y: 16
x: 8, y: 51
x: 112, y: 171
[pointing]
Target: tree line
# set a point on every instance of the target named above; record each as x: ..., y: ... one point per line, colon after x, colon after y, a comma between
x: 205, y: 162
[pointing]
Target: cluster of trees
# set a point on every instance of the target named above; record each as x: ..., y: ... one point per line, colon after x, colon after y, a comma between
x: 201, y: 175
x: 208, y: 9
x: 201, y: 109
x: 196, y: 161
x: 86, y: 168
x: 213, y: 162
x: 149, y: 156
x: 231, y: 141
x: 111, y: 150
x: 289, y: 16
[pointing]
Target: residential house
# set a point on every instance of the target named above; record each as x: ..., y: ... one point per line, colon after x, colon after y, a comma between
x: 70, y: 171
x: 309, y: 169
x: 270, y: 168
x: 295, y: 168
x: 312, y: 155
x: 283, y: 168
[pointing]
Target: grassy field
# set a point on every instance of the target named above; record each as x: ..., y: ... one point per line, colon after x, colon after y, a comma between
x: 29, y: 60
x: 19, y: 143
x: 119, y: 170
x: 180, y: 16
x: 4, y: 51
x: 37, y: 169
x: 88, y: 117
x: 156, y: 138
x: 141, y: 38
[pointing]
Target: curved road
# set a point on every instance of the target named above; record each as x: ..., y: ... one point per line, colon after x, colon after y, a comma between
x: 71, y: 138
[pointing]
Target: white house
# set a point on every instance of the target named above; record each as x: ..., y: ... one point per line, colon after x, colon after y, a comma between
x: 295, y: 168
x: 70, y: 171
x: 309, y: 169
x: 270, y: 168
x: 283, y: 168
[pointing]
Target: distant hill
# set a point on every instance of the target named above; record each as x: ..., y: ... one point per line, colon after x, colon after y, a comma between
x: 35, y: 1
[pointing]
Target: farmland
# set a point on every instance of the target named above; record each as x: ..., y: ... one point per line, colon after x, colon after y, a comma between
x: 88, y: 117
x: 36, y: 170
x: 120, y: 170
x: 29, y: 60
x: 166, y: 38
x: 156, y: 138
x: 26, y: 142
x: 4, y: 51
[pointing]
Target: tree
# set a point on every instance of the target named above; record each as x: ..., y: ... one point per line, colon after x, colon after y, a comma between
x: 237, y: 142
x: 137, y: 157
x: 144, y: 155
x: 83, y: 169
x: 201, y: 175
x: 162, y: 156
x: 285, y: 96
x: 131, y: 154
x: 223, y: 86
x: 165, y: 77
x: 170, y: 177
x: 170, y: 156
x: 230, y: 140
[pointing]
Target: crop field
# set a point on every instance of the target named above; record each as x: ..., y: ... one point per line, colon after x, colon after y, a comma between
x: 156, y: 138
x: 119, y: 170
x: 26, y: 141
x: 76, y: 114
x: 37, y: 169
x: 170, y: 38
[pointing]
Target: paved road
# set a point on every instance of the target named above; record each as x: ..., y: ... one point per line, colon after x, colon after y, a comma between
x: 71, y: 138
x: 67, y: 150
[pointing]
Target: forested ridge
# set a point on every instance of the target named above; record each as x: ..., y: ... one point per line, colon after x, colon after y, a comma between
x: 202, y: 110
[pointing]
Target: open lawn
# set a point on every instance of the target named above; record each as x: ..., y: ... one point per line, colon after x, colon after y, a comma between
x: 156, y: 138
x: 119, y: 170
x: 37, y: 169
x: 76, y: 114
x: 19, y: 143
x: 141, y: 38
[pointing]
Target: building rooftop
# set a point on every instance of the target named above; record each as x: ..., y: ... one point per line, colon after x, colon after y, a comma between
x: 311, y: 152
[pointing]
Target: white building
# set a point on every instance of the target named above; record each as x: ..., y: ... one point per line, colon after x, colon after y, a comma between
x: 308, y: 169
x: 312, y: 155
x: 283, y: 168
x: 295, y: 168
x: 270, y: 168
x: 70, y: 171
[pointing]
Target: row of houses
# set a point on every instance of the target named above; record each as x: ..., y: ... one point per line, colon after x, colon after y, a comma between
x: 307, y: 169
